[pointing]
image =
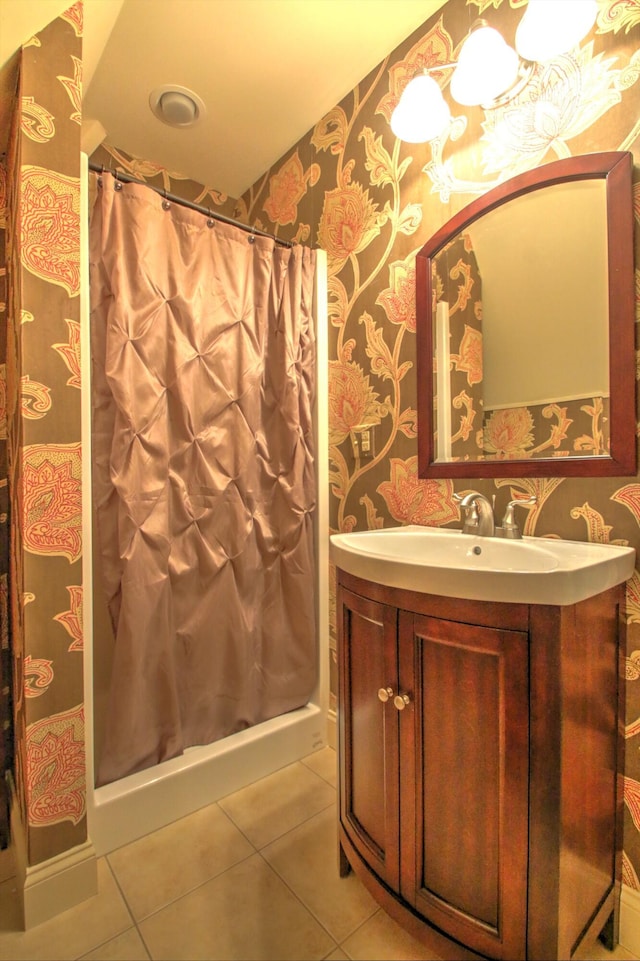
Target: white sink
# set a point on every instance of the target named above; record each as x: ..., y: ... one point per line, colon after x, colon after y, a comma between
x: 436, y: 560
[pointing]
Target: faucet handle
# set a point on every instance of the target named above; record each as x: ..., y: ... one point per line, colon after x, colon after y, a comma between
x: 509, y: 526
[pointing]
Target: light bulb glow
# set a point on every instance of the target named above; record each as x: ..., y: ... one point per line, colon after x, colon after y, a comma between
x: 422, y: 113
x: 550, y: 28
x: 486, y: 68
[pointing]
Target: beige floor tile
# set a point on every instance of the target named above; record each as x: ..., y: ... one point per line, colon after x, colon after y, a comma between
x: 163, y: 866
x: 274, y: 805
x: 127, y: 946
x: 598, y: 952
x: 324, y: 763
x: 621, y: 954
x: 69, y: 935
x: 306, y: 858
x: 383, y: 939
x: 246, y: 913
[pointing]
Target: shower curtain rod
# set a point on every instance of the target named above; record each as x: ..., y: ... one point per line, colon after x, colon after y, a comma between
x: 172, y: 198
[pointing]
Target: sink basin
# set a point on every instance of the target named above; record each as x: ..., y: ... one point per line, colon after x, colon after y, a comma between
x: 436, y: 560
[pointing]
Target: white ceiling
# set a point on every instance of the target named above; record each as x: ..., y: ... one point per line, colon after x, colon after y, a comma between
x: 267, y: 71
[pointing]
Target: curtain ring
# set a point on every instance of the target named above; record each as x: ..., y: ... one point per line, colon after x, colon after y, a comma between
x: 118, y: 183
x: 165, y: 203
x: 252, y: 237
x: 210, y: 222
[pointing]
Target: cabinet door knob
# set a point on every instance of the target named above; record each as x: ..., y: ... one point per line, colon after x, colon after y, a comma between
x: 385, y: 693
x: 401, y: 700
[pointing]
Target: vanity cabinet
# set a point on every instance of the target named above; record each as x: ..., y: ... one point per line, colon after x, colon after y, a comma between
x: 480, y: 745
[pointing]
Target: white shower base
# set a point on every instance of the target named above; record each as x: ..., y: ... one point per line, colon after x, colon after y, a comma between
x: 136, y: 805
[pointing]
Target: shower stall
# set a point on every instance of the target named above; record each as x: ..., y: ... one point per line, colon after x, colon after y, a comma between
x: 133, y: 805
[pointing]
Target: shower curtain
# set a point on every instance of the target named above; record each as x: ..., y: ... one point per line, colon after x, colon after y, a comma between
x: 203, y: 374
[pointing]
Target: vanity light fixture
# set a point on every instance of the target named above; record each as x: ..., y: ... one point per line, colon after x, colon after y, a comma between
x: 488, y: 71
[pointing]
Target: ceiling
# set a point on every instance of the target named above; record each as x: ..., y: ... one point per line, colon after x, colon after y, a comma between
x: 267, y: 71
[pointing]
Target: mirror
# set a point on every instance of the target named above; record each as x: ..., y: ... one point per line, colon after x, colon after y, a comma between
x: 526, y: 328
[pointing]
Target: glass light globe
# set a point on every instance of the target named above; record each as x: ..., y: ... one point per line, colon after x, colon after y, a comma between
x: 486, y: 68
x: 422, y: 113
x: 552, y: 27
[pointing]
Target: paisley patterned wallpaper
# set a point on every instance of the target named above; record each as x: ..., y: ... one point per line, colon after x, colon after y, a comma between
x: 371, y: 202
x: 41, y: 383
x: 112, y: 158
x: 6, y: 706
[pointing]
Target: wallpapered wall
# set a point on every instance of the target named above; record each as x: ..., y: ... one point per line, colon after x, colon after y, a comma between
x: 6, y: 705
x: 350, y: 187
x: 371, y: 202
x: 43, y: 426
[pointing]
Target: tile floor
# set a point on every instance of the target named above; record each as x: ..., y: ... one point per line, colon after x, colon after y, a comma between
x: 253, y: 876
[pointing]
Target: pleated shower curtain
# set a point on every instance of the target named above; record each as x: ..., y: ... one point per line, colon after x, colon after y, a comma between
x: 203, y: 379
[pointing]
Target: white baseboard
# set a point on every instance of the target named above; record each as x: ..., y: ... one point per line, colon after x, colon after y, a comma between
x: 58, y: 884
x: 630, y: 920
x: 53, y: 886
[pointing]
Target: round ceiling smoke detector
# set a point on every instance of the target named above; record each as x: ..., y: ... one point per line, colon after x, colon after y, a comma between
x: 176, y: 106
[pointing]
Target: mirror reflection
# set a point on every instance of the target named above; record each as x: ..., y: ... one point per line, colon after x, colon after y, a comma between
x: 526, y: 332
x: 521, y: 333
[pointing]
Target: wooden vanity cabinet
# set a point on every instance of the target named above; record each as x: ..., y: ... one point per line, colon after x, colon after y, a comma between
x: 479, y: 746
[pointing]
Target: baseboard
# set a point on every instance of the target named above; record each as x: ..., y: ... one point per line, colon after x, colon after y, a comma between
x: 53, y: 886
x: 59, y: 884
x: 332, y: 729
x: 630, y: 920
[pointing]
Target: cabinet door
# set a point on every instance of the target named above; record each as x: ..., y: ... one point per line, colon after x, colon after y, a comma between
x: 368, y: 731
x: 464, y: 781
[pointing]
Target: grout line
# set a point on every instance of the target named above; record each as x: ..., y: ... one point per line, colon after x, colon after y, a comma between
x: 279, y: 837
x: 133, y: 926
x: 196, y: 887
x: 144, y: 943
x: 124, y: 898
x: 119, y: 887
x: 254, y: 851
x: 307, y: 908
x: 338, y: 943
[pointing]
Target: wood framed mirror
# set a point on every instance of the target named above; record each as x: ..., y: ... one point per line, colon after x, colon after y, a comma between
x: 526, y: 328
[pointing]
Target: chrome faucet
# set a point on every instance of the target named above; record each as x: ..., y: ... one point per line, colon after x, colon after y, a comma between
x: 479, y: 519
x: 478, y: 503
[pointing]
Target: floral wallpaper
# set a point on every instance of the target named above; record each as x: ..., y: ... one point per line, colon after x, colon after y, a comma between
x: 6, y: 706
x: 112, y: 158
x: 371, y: 202
x: 41, y: 417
